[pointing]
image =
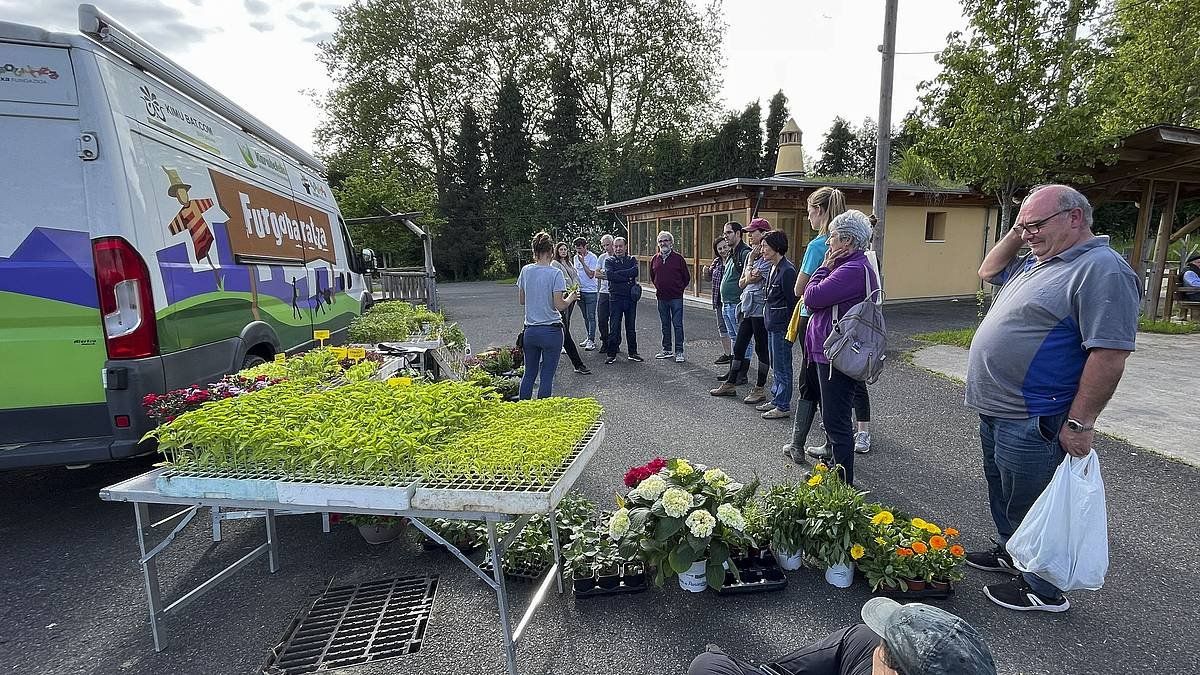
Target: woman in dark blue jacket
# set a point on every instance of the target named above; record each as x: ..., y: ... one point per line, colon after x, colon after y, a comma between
x: 781, y: 301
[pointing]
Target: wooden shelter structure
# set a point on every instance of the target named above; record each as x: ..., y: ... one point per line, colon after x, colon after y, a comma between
x: 1157, y: 164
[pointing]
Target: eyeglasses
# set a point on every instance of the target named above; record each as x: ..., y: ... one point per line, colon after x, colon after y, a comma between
x: 664, y: 241
x: 1036, y: 226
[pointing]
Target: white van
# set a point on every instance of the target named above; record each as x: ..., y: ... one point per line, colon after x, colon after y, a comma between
x: 152, y: 235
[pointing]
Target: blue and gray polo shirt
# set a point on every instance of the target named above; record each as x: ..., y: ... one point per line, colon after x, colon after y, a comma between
x: 1029, y: 352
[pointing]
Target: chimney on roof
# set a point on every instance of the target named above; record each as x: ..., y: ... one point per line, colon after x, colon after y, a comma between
x: 790, y: 161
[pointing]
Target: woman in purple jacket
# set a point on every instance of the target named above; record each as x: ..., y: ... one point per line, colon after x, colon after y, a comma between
x: 843, y: 280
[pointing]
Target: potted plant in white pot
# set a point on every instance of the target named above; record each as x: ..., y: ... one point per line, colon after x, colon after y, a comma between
x: 836, y: 522
x: 378, y: 529
x: 683, y: 520
x: 786, y: 508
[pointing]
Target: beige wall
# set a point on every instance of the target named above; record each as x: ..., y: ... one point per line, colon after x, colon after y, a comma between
x: 915, y: 268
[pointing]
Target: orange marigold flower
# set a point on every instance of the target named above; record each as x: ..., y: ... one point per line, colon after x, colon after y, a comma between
x: 938, y: 543
x: 957, y: 551
x: 951, y: 532
x: 919, y: 547
x: 904, y: 552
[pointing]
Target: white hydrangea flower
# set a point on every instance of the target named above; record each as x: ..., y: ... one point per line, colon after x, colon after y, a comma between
x: 676, y: 502
x: 618, y: 525
x: 651, y: 488
x: 715, y: 477
x: 701, y: 523
x: 729, y: 514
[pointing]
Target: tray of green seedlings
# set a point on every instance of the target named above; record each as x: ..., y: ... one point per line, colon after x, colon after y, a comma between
x: 323, y: 366
x: 371, y: 444
x: 401, y: 322
x: 522, y: 459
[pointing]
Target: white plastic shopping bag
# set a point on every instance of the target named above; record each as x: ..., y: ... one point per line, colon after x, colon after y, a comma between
x: 1064, y: 537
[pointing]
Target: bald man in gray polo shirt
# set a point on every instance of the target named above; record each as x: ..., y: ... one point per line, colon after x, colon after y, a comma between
x: 1043, y: 364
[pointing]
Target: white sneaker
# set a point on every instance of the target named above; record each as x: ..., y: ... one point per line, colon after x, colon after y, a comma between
x: 862, y: 442
x: 563, y: 350
x: 589, y: 345
x: 583, y: 344
x: 679, y: 358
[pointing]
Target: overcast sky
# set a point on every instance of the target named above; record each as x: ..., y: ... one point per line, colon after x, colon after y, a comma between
x: 263, y: 54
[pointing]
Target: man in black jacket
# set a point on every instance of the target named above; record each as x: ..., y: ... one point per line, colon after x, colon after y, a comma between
x: 621, y: 270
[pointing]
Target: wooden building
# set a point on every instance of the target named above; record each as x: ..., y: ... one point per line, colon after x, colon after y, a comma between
x: 936, y: 238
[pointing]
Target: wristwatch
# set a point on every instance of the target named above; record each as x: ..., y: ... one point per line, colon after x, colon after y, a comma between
x: 1077, y: 426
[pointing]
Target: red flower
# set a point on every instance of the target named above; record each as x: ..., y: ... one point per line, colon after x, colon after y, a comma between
x: 640, y: 473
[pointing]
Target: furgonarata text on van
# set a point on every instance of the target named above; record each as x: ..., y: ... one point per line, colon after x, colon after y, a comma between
x: 263, y: 223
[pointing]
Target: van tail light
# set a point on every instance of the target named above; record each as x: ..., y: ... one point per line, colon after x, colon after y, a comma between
x: 126, y: 299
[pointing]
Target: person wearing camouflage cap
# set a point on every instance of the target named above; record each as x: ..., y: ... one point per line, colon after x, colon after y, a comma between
x: 913, y: 639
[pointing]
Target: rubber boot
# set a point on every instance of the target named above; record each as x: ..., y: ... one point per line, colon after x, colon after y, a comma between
x: 742, y: 372
x: 801, y: 424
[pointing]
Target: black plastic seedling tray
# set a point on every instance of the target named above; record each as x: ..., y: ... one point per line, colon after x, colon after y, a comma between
x: 627, y: 583
x: 759, y: 575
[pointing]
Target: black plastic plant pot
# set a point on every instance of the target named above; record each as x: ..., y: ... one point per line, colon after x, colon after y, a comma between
x: 772, y: 574
x: 609, y: 577
x: 582, y: 584
x: 750, y: 576
x: 633, y: 574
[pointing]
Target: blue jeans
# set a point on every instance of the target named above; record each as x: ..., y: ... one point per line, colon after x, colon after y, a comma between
x: 1019, y: 459
x: 781, y: 367
x: 542, y: 345
x: 729, y: 310
x: 670, y: 313
x: 587, y: 305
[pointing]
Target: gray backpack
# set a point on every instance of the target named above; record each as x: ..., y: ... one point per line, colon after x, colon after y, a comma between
x: 857, y: 343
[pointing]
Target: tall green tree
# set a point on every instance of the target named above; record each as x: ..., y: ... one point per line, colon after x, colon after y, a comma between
x: 642, y: 68
x: 463, y: 246
x: 570, y: 183
x: 863, y: 147
x: 1004, y: 114
x: 510, y: 189
x: 777, y: 114
x: 750, y: 143
x: 727, y: 150
x: 837, y: 150
x: 1152, y: 71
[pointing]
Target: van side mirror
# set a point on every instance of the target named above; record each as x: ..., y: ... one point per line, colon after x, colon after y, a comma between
x: 368, y: 260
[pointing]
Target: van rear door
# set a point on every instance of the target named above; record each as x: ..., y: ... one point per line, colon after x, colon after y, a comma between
x: 52, y: 348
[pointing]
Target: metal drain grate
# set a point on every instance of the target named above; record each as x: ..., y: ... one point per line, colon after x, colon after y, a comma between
x: 352, y: 625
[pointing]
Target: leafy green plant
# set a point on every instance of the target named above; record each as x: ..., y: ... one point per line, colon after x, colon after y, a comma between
x: 836, y: 518
x: 785, y: 509
x: 957, y: 338
x: 370, y: 430
x: 1168, y: 327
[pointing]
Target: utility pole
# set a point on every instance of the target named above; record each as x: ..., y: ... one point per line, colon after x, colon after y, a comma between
x: 883, y: 148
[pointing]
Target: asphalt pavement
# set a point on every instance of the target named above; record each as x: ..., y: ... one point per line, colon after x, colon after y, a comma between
x: 72, y: 600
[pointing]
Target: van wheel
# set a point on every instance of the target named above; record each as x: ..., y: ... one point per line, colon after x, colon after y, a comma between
x: 252, y: 360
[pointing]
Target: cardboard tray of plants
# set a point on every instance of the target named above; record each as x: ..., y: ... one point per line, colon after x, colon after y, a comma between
x: 760, y: 573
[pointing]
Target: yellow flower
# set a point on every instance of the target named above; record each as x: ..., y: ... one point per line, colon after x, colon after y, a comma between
x: 820, y: 467
x: 919, y: 523
x: 815, y: 480
x: 857, y: 551
x: 883, y: 518
x: 881, y: 541
x: 682, y: 468
x: 932, y: 529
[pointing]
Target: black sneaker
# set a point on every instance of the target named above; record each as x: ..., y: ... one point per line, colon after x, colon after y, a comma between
x: 1019, y: 595
x: 995, y: 560
x: 635, y: 357
x: 723, y: 359
x: 610, y: 360
x: 722, y: 377
x: 583, y: 370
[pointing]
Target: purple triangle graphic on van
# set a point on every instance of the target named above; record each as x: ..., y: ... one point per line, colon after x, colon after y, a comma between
x: 53, y: 264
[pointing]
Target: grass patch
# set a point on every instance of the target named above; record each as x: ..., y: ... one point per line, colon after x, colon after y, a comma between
x: 507, y: 281
x: 958, y: 338
x: 1167, y: 327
